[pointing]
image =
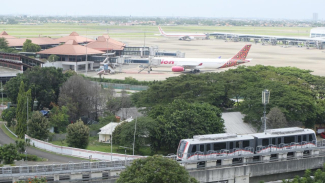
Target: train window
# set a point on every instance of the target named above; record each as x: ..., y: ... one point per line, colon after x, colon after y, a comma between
x: 208, y: 147
x: 279, y: 140
x: 311, y: 137
x: 299, y: 138
x: 265, y: 142
x: 289, y: 139
x: 304, y: 138
x: 219, y: 146
x: 193, y: 149
x: 245, y: 143
x: 231, y: 145
x: 273, y: 141
x: 237, y: 144
x: 202, y: 147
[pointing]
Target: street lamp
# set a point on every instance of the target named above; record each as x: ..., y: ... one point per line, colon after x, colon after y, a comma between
x: 265, y: 100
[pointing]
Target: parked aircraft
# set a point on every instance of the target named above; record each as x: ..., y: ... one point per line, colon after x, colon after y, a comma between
x: 195, y: 64
x: 183, y: 36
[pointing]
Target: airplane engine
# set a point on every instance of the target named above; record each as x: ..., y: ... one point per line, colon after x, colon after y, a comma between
x: 178, y: 69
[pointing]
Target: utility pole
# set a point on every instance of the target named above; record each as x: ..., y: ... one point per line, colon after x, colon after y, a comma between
x: 135, y: 129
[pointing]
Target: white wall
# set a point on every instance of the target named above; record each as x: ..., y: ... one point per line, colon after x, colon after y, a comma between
x: 81, y: 153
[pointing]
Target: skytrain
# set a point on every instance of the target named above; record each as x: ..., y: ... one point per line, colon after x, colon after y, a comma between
x: 234, y: 145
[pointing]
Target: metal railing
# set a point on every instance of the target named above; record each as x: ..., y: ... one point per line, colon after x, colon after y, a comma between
x: 31, y: 170
x: 11, y: 131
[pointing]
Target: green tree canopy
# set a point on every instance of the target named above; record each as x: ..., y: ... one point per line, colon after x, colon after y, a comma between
x: 59, y: 118
x: 155, y: 169
x: 38, y: 126
x: 3, y: 43
x: 53, y: 58
x: 276, y: 119
x: 8, y: 153
x: 9, y: 115
x: 28, y: 46
x: 124, y: 133
x: 21, y: 112
x: 78, y: 135
x: 181, y: 120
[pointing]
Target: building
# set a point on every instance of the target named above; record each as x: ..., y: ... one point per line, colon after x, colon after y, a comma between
x: 105, y: 134
x: 43, y: 42
x: 4, y: 34
x: 317, y: 32
x: 107, y: 44
x: 71, y: 56
x: 315, y: 17
x: 74, y: 36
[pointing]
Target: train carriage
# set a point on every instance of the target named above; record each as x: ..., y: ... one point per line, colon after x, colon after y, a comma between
x: 214, y: 145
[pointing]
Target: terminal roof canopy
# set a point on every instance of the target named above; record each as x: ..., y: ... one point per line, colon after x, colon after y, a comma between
x: 4, y: 34
x: 71, y: 47
x: 38, y: 40
x: 104, y: 43
x: 74, y: 36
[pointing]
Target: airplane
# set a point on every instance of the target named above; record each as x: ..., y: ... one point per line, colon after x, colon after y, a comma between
x: 183, y: 36
x: 195, y: 64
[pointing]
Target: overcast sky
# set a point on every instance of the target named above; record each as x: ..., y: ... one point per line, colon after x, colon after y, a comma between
x: 274, y: 9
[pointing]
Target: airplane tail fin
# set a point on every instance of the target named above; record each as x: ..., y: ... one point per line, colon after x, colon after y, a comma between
x: 242, y: 54
x: 161, y: 31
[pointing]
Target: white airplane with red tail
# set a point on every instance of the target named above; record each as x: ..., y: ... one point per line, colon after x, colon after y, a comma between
x: 195, y: 64
x: 183, y: 36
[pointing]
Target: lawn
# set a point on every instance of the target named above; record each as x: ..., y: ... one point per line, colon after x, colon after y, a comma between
x: 94, y: 145
x: 94, y: 30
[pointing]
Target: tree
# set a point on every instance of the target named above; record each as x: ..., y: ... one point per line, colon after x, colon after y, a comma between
x: 21, y: 112
x: 276, y: 119
x: 181, y: 120
x: 28, y: 46
x: 155, y: 169
x: 9, y: 115
x: 53, y: 58
x: 59, y: 118
x: 8, y: 153
x: 124, y: 134
x: 78, y: 135
x: 3, y: 43
x: 38, y: 126
x: 20, y: 146
x: 83, y: 98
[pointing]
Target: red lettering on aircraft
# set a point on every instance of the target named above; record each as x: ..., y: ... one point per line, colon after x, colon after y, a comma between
x: 166, y: 62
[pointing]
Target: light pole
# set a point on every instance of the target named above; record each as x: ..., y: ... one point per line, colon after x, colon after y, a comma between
x: 111, y: 146
x: 265, y: 100
x: 1, y: 95
x: 135, y: 129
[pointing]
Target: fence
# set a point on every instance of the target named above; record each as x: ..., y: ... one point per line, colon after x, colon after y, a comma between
x: 11, y: 131
x: 85, y: 166
x: 80, y: 153
x: 124, y: 86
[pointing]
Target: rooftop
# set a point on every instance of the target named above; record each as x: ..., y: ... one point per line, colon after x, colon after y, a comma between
x: 104, y: 43
x: 38, y: 40
x: 4, y: 34
x: 74, y: 36
x: 71, y: 47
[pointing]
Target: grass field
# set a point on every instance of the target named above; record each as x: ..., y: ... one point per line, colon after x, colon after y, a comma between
x: 94, y: 30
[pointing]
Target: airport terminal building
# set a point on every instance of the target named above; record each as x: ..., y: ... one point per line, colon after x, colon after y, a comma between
x: 317, y: 32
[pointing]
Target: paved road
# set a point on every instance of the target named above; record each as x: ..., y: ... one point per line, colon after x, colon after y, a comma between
x: 234, y: 123
x: 4, y: 139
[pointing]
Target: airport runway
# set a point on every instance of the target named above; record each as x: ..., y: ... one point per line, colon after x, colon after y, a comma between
x: 300, y: 57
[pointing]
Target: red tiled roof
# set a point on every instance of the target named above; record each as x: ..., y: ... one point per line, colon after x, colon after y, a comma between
x: 4, y: 34
x: 37, y: 40
x: 71, y: 47
x: 104, y: 43
x: 74, y: 36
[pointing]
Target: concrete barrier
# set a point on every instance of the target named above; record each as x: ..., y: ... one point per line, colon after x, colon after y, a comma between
x: 80, y: 153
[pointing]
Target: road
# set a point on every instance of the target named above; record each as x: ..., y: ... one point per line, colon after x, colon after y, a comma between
x: 234, y: 123
x: 52, y: 158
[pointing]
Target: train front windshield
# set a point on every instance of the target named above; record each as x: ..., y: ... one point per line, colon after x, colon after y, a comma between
x: 180, y: 149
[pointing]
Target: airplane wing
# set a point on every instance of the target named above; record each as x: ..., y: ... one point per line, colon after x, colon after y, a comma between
x: 190, y: 66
